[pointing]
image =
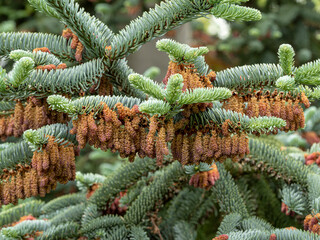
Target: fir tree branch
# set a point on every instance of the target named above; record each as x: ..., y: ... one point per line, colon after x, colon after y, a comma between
x: 228, y: 195
x: 63, y: 231
x: 308, y: 73
x: 248, y: 76
x: 104, y: 222
x: 120, y: 180
x: 146, y: 85
x: 71, y: 80
x: 57, y: 45
x: 15, y: 213
x: 234, y: 12
x: 25, y: 227
x: 153, y: 193
x: 230, y: 223
x: 42, y: 6
x: 294, y: 198
x: 286, y: 58
x: 69, y: 214
x: 201, y: 95
x: 85, y: 105
x: 63, y: 202
x: 119, y: 72
x: 288, y: 167
x: 92, y: 33
x: 163, y: 18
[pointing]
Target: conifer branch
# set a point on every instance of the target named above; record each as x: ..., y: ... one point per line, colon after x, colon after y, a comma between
x: 151, y: 194
x: 294, y: 198
x: 146, y: 85
x: 228, y: 195
x: 26, y: 227
x: 122, y: 178
x: 63, y: 231
x: 93, y: 34
x: 57, y: 45
x: 308, y: 73
x: 286, y: 58
x: 42, y: 6
x: 63, y: 202
x: 163, y: 18
x: 289, y: 168
x: 230, y: 223
x: 249, y: 76
x: 233, y: 12
x: 15, y: 213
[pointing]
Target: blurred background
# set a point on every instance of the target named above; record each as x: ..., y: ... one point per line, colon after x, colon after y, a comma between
x: 296, y: 22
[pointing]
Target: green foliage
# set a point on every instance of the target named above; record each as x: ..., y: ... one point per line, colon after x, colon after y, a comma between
x: 146, y: 85
x: 28, y: 41
x: 174, y: 88
x: 66, y: 230
x: 84, y: 181
x: 15, y: 213
x: 97, y: 35
x: 200, y: 95
x: 294, y: 198
x: 120, y: 179
x: 228, y: 194
x: 180, y: 52
x: 63, y: 202
x: 229, y: 223
x: 286, y: 83
x: 308, y: 73
x: 286, y: 58
x: 149, y: 195
x: 233, y: 12
x: 21, y: 70
x: 25, y: 227
x: 249, y: 76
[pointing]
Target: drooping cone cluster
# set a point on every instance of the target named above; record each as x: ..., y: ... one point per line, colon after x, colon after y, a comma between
x: 269, y: 104
x: 75, y: 43
x: 56, y: 163
x: 191, y: 80
x: 191, y: 146
x: 205, y: 179
x: 126, y: 131
x: 312, y: 158
x: 311, y: 223
x: 33, y: 115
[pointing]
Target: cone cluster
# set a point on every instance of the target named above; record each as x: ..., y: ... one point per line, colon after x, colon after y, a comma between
x: 56, y: 163
x: 33, y: 115
x: 312, y: 158
x: 273, y: 104
x: 211, y: 142
x: 75, y: 43
x: 205, y: 179
x: 126, y: 131
x: 311, y: 223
